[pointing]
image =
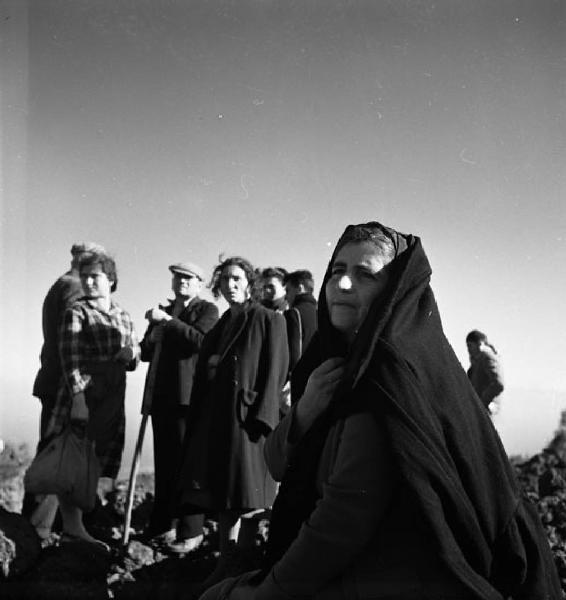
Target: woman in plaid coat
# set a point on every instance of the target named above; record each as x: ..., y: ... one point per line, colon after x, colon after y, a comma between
x: 97, y: 345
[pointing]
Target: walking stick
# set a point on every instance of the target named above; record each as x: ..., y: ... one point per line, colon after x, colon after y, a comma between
x: 145, y: 410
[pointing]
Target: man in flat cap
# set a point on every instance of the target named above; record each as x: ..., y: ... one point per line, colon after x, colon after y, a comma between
x: 179, y: 328
x: 62, y: 294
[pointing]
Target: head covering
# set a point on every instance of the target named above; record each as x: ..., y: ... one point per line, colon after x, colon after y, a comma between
x: 79, y: 248
x: 448, y: 455
x: 187, y: 268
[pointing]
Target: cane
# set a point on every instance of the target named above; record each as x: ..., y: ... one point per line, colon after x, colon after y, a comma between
x: 145, y: 410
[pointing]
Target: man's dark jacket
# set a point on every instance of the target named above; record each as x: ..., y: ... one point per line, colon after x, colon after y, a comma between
x: 60, y: 296
x: 181, y: 344
x: 301, y: 325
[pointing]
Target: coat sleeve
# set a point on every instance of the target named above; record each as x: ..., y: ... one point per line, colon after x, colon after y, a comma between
x: 146, y: 345
x: 275, y: 364
x: 70, y: 351
x: 292, y: 317
x: 355, y: 496
x: 493, y: 373
x: 186, y: 339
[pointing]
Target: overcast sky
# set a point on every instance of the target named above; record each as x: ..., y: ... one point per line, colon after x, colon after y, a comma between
x: 173, y: 131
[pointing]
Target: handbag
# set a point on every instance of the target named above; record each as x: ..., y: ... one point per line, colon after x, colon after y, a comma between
x: 66, y: 466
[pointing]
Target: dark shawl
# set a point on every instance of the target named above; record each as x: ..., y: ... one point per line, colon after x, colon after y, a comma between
x: 447, y: 451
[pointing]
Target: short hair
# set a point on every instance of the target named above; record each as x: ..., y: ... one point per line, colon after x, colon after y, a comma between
x: 278, y: 272
x: 79, y: 248
x: 301, y: 277
x: 475, y: 336
x: 237, y: 261
x: 107, y: 265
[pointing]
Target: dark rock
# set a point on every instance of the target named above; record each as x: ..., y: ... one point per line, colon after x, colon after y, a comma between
x: 550, y: 482
x: 20, y: 545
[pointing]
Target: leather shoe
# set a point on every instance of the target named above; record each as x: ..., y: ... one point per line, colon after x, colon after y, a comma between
x: 185, y: 546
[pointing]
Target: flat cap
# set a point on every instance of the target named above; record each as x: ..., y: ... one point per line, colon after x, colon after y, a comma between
x: 187, y: 268
x: 83, y: 247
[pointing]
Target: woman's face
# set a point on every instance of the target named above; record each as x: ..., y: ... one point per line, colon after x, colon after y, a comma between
x: 357, y: 279
x: 234, y: 285
x: 95, y: 282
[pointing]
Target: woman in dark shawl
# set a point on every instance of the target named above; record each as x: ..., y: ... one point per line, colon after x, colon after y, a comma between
x: 395, y: 484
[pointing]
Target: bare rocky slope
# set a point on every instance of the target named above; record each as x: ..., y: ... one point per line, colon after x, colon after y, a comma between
x: 142, y: 570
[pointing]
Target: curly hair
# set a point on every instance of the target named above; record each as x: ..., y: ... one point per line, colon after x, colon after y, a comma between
x: 237, y: 261
x: 107, y: 265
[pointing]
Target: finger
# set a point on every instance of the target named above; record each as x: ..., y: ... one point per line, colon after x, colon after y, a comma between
x: 330, y: 364
x: 334, y: 375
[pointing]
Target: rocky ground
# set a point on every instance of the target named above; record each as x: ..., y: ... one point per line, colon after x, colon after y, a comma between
x: 142, y: 570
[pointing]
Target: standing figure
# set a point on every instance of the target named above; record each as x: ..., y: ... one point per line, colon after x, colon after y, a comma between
x: 485, y: 373
x: 97, y: 345
x: 234, y: 406
x: 273, y: 288
x: 62, y: 294
x: 179, y: 328
x: 394, y: 483
x: 301, y: 314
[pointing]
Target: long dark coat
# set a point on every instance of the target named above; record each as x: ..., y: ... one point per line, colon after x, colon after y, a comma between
x: 232, y: 413
x: 182, y: 340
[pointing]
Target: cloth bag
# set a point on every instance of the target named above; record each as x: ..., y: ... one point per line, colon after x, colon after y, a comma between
x: 66, y: 466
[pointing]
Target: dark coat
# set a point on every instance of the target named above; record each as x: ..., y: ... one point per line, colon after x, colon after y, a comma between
x: 451, y: 476
x: 301, y: 325
x: 232, y: 413
x: 62, y: 294
x: 486, y: 376
x: 182, y: 340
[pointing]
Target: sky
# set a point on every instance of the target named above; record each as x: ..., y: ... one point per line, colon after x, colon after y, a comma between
x: 170, y: 131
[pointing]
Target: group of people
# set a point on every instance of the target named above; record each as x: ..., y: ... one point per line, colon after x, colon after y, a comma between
x: 380, y: 466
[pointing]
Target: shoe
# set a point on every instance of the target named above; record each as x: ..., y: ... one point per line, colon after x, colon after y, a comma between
x: 185, y: 546
x: 69, y: 538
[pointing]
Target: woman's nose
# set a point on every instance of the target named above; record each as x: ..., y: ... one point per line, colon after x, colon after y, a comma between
x: 345, y: 283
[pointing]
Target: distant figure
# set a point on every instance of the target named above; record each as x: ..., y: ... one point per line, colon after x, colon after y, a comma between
x: 60, y: 296
x: 234, y: 406
x: 180, y: 328
x: 485, y: 372
x: 97, y: 345
x: 301, y: 314
x: 273, y: 288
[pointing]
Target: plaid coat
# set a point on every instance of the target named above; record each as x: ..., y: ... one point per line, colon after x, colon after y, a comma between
x: 88, y: 340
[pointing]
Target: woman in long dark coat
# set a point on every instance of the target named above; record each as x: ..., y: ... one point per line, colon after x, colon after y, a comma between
x: 395, y: 485
x: 241, y: 370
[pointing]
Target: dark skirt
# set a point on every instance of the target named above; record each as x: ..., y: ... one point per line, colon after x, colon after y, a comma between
x: 107, y: 421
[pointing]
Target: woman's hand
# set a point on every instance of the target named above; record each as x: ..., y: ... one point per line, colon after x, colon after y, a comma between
x: 79, y: 409
x: 124, y: 356
x: 319, y: 391
x: 242, y: 592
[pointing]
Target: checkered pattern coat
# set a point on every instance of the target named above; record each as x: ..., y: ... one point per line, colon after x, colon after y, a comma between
x: 89, y: 338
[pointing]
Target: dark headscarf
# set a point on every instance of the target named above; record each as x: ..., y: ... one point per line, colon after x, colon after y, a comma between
x: 401, y: 368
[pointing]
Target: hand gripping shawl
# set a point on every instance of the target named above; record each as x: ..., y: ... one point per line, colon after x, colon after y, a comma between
x: 448, y: 453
